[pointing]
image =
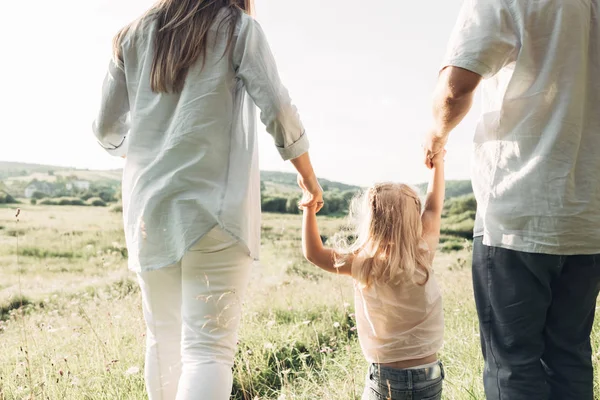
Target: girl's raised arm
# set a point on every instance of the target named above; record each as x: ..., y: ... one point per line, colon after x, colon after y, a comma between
x: 313, y: 249
x: 434, y: 204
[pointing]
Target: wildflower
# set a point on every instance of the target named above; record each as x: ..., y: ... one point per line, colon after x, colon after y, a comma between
x: 336, y: 325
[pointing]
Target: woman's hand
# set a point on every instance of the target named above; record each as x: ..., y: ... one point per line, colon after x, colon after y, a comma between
x: 312, y: 193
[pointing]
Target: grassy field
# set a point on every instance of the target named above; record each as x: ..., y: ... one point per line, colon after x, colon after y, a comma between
x: 71, y: 324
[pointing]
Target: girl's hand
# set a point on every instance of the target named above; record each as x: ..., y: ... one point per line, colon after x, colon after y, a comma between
x: 311, y: 209
x: 432, y: 147
x: 312, y: 193
x: 438, y: 159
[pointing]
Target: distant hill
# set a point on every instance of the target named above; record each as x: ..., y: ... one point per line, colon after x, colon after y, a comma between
x: 13, y: 174
x: 16, y: 175
x: 14, y: 169
x: 286, y: 181
x: 453, y: 188
x: 22, y: 172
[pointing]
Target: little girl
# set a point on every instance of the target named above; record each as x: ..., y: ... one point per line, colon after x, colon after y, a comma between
x: 398, y: 302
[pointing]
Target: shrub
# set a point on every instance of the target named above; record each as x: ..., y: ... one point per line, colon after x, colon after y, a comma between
x: 348, y: 196
x: 70, y: 201
x: 335, y: 203
x: 33, y: 202
x: 48, y: 202
x: 450, y: 246
x: 6, y: 198
x: 38, y: 195
x: 96, y: 202
x: 11, y: 305
x: 274, y: 204
x: 87, y: 195
x: 117, y: 208
x: 62, y: 201
x: 107, y: 196
x: 460, y: 205
x: 36, y: 252
x: 291, y: 206
x: 462, y: 229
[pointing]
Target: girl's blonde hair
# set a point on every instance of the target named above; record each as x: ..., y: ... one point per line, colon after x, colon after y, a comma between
x: 389, y: 245
x: 182, y: 36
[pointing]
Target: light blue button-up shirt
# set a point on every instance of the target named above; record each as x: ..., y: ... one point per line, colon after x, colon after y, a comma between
x: 191, y: 157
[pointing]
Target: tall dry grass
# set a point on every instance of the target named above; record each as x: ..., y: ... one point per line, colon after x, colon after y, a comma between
x: 71, y: 324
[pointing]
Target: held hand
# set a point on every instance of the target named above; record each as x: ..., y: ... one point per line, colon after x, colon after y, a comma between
x: 312, y: 193
x: 438, y: 160
x: 432, y: 146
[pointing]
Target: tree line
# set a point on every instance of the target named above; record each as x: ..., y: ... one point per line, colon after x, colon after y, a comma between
x: 336, y: 202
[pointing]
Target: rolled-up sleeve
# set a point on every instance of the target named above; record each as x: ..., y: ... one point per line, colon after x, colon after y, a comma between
x: 112, y: 123
x: 256, y: 67
x: 485, y: 38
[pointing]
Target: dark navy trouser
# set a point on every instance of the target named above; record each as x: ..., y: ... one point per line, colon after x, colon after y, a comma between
x: 536, y: 313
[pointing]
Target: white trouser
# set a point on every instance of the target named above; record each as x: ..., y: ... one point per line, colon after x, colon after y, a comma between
x: 192, y: 312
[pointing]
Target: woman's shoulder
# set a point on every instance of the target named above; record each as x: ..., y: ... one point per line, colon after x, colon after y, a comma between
x: 139, y: 31
x: 246, y: 24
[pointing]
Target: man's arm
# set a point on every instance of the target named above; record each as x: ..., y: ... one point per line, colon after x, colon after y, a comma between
x: 452, y: 101
x: 486, y: 38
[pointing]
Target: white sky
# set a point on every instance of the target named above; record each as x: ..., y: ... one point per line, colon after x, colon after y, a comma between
x: 361, y: 76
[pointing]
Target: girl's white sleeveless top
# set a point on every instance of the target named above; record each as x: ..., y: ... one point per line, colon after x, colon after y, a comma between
x: 399, y: 322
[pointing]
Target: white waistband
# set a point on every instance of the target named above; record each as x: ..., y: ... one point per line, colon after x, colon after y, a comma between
x: 433, y: 364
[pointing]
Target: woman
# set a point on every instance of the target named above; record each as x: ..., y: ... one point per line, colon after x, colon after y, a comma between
x: 175, y: 105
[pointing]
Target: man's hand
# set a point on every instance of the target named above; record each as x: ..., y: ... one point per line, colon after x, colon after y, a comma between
x: 432, y: 146
x: 312, y: 193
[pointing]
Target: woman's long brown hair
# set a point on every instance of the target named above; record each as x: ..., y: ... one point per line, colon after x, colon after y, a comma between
x: 181, y: 36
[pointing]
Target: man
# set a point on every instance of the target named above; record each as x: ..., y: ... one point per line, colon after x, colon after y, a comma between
x: 536, y: 176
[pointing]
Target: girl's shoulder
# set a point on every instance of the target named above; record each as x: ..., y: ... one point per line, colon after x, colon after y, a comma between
x: 357, y: 261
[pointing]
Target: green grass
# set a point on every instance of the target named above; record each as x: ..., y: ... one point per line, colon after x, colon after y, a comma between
x: 71, y: 325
